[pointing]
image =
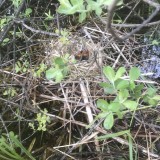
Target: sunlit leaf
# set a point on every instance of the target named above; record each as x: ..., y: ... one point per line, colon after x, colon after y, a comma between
x: 102, y: 104
x: 114, y: 106
x: 132, y: 85
x: 109, y: 2
x: 59, y: 61
x: 59, y: 77
x: 132, y: 105
x: 137, y: 92
x: 98, y: 11
x: 108, y: 88
x: 134, y: 73
x: 102, y: 114
x: 28, y: 11
x: 122, y: 84
x: 104, y: 84
x: 109, y: 121
x: 54, y: 73
x: 119, y: 114
x: 123, y: 95
x: 156, y: 97
x: 152, y: 102
x: 70, y: 8
x: 139, y: 87
x: 155, y: 42
x: 109, y: 73
x: 82, y: 17
x: 151, y: 91
x: 17, y: 68
x: 120, y: 73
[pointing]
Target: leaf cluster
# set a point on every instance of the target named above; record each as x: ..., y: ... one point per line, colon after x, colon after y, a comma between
x: 70, y: 7
x: 42, y: 120
x: 127, y: 94
x: 10, y: 92
x: 22, y: 66
x: 59, y: 69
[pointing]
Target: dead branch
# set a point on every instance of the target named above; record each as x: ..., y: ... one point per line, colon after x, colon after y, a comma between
x: 139, y: 27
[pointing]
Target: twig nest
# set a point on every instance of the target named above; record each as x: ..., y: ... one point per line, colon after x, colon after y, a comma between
x: 83, y: 54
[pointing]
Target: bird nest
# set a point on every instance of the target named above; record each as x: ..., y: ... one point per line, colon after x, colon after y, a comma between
x: 84, y: 57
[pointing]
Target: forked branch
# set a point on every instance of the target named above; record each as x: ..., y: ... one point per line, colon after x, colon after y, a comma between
x: 110, y: 16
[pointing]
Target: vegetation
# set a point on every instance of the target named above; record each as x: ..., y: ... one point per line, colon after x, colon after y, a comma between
x: 72, y: 83
x: 71, y: 7
x: 8, y: 148
x: 128, y: 94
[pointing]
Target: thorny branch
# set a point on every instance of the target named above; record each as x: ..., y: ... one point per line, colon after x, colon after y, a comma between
x: 139, y: 27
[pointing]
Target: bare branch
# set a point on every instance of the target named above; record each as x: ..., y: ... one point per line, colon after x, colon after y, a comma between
x: 139, y: 27
x: 35, y: 30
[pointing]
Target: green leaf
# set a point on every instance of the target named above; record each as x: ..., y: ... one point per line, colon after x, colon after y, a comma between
x: 156, y: 97
x: 70, y: 8
x: 137, y: 92
x: 139, y: 87
x: 155, y: 42
x: 50, y: 73
x: 120, y: 73
x: 78, y: 3
x: 146, y: 98
x: 65, y: 3
x: 98, y: 11
x: 104, y: 84
x: 109, y: 121
x: 132, y: 85
x: 10, y: 92
x: 152, y: 102
x: 134, y: 73
x: 5, y: 41
x: 109, y: 2
x: 108, y: 88
x: 65, y: 71
x: 102, y: 114
x: 114, y: 106
x: 102, y: 104
x: 132, y: 105
x: 109, y: 73
x: 92, y: 5
x: 151, y: 91
x: 59, y: 61
x: 82, y: 17
x: 123, y: 95
x: 18, y: 67
x: 119, y: 114
x: 67, y: 10
x: 24, y: 69
x: 121, y: 84
x: 54, y: 73
x: 28, y: 11
x: 59, y: 77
